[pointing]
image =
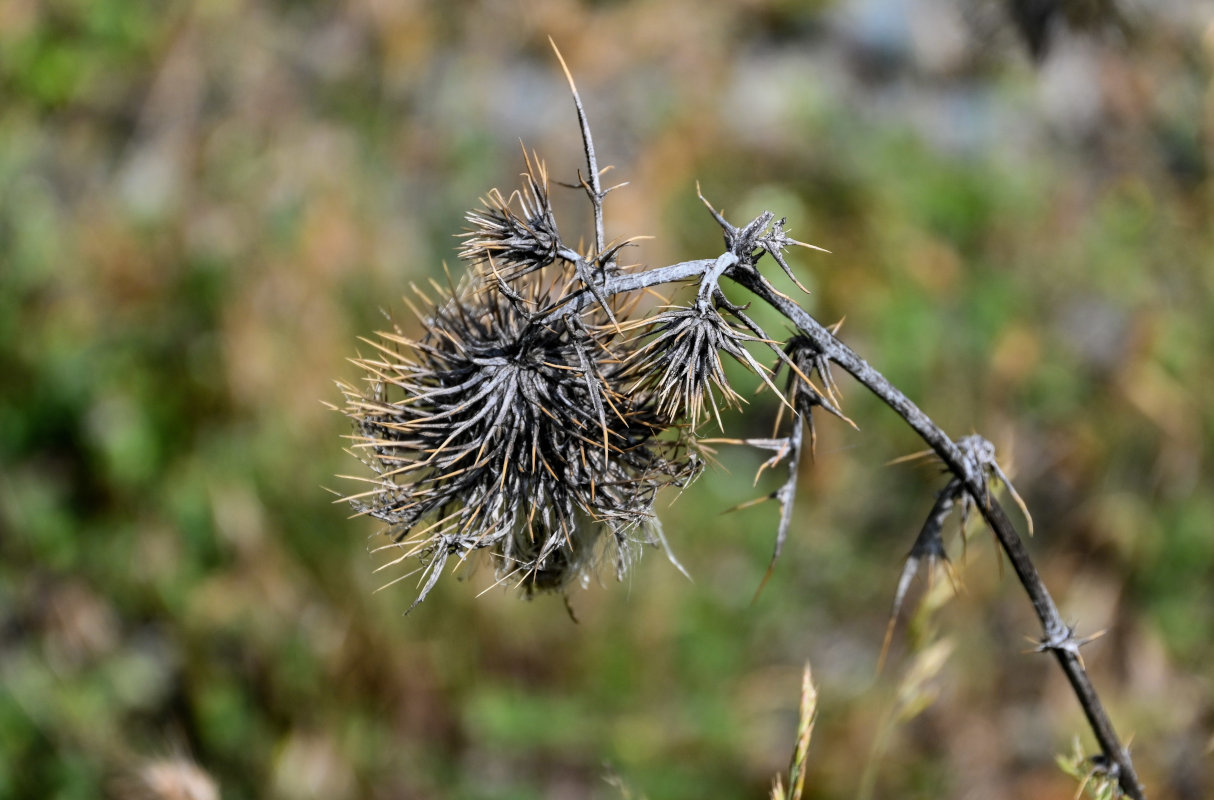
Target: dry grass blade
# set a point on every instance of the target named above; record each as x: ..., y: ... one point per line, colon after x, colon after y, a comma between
x: 915, y: 693
x: 806, y: 718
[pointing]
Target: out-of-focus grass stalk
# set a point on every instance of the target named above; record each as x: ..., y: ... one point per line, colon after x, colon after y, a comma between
x: 915, y: 691
x: 800, y: 753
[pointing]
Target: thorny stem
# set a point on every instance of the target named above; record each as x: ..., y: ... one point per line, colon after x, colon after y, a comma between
x: 633, y: 281
x: 738, y: 263
x: 744, y: 247
x: 1058, y: 637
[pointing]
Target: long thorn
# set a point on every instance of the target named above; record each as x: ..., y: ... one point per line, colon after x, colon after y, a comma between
x: 595, y: 190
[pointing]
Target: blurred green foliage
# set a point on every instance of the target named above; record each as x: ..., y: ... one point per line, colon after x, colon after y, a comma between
x: 202, y: 206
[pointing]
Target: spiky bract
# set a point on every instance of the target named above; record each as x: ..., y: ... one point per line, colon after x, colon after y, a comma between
x: 500, y: 431
x: 680, y: 363
x: 516, y: 235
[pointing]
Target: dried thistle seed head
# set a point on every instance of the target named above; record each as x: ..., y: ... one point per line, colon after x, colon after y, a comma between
x: 681, y: 366
x: 588, y: 548
x: 518, y: 235
x: 500, y: 432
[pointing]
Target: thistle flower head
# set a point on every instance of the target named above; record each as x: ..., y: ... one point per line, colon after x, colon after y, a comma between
x: 680, y: 361
x: 517, y: 234
x: 499, y: 431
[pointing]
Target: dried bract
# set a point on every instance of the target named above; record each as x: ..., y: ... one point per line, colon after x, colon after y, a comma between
x: 681, y: 362
x: 518, y: 235
x: 805, y: 359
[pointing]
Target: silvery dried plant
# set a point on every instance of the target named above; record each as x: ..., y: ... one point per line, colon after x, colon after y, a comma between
x: 540, y: 413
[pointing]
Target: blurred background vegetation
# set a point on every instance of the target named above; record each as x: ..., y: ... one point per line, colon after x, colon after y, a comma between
x: 203, y: 205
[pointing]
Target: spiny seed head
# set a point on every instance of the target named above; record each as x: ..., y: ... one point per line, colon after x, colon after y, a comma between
x: 680, y: 363
x: 518, y: 235
x: 499, y: 431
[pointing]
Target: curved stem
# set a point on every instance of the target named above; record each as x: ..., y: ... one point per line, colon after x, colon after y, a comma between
x: 1058, y: 637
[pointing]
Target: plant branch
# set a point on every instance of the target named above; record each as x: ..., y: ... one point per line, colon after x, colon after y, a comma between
x: 519, y: 349
x: 737, y: 263
x: 1058, y: 637
x: 631, y: 282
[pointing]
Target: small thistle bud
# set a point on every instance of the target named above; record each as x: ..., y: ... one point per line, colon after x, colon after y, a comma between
x: 515, y: 243
x: 681, y: 361
x: 804, y: 359
x: 501, y: 432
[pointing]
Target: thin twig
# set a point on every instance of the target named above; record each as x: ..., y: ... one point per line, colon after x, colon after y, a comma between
x: 633, y: 282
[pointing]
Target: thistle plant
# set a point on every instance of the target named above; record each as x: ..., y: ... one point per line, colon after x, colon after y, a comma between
x: 504, y: 432
x: 535, y: 420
